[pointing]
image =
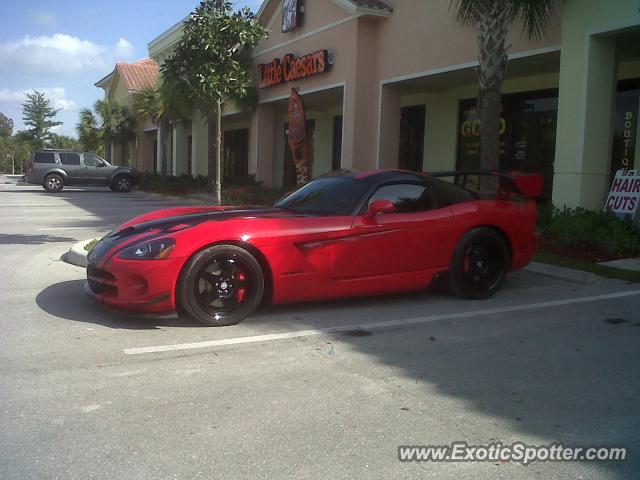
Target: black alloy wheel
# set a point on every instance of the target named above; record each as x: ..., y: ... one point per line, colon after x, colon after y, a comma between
x: 480, y: 264
x: 220, y: 285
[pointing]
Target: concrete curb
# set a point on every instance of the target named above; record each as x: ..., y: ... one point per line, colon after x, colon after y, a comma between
x: 77, y: 255
x: 562, y: 273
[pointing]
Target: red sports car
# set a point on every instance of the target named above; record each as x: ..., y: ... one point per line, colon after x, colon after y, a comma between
x: 342, y: 235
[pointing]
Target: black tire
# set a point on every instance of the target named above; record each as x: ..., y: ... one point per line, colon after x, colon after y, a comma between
x: 53, y: 183
x: 122, y: 183
x: 220, y: 285
x: 479, y: 265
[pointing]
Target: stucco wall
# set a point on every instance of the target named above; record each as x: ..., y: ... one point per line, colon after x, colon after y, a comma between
x: 583, y: 141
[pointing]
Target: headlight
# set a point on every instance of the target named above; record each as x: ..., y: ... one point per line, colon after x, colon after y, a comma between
x: 149, y: 250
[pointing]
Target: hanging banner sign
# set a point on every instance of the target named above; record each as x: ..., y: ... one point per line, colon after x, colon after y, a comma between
x: 297, y: 137
x: 624, y: 196
x: 291, y: 15
x: 290, y: 68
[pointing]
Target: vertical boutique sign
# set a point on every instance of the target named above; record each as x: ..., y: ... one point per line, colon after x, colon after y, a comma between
x: 297, y: 137
x: 624, y: 131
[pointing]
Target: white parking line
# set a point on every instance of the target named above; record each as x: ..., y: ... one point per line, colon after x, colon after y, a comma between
x: 373, y: 325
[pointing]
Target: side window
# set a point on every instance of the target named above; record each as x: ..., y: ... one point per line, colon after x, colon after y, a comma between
x: 450, y: 194
x: 44, y: 157
x: 91, y: 160
x: 407, y: 197
x: 67, y: 158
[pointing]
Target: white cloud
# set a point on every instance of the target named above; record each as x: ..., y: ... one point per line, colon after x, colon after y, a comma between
x: 57, y: 95
x: 42, y: 17
x: 61, y: 54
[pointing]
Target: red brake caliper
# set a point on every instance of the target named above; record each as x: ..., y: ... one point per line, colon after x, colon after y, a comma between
x: 242, y: 292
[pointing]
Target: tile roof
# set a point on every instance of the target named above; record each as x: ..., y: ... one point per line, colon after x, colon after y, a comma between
x: 139, y: 75
x: 375, y: 4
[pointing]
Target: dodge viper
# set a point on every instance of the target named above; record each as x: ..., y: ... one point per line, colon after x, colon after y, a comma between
x: 343, y: 234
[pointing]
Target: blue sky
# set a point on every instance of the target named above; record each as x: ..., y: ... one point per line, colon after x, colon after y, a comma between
x: 62, y: 47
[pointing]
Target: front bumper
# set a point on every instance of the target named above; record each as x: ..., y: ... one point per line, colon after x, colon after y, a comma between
x: 138, y: 285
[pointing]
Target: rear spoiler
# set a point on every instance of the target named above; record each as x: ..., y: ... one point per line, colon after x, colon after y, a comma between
x: 528, y: 185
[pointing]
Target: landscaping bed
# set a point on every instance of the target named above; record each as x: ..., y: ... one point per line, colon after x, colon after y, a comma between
x: 581, y: 239
x: 243, y: 192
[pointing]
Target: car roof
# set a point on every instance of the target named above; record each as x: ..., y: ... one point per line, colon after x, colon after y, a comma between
x: 46, y: 150
x: 378, y: 176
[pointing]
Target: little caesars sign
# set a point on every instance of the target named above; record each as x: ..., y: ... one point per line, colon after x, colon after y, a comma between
x: 624, y: 196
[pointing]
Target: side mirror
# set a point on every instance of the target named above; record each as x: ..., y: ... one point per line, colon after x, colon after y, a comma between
x: 101, y: 164
x: 379, y: 206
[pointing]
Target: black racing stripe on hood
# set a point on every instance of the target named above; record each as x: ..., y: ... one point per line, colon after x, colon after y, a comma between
x: 193, y: 219
x: 110, y: 246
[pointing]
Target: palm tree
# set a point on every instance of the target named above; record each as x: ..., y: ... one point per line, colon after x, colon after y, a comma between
x: 88, y: 131
x: 113, y: 118
x: 493, y: 19
x: 125, y: 134
x: 164, y: 105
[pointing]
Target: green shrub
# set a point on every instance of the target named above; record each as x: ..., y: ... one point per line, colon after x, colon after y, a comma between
x: 589, y: 231
x: 153, y: 182
x: 250, y: 195
x: 242, y: 191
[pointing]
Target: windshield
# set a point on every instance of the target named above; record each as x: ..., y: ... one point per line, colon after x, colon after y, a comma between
x: 325, y: 196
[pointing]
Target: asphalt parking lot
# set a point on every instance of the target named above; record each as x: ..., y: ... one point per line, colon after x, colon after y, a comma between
x: 321, y: 390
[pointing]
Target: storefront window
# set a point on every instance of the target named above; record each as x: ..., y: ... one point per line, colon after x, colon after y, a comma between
x: 527, y: 134
x: 236, y: 154
x: 411, y: 138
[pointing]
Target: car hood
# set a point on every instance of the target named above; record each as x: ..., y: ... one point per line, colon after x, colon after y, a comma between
x: 176, y: 218
x: 163, y: 222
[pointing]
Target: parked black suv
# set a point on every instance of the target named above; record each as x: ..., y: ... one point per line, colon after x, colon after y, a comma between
x: 53, y: 169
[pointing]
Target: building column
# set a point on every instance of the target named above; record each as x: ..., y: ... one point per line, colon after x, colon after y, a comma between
x: 586, y: 105
x: 159, y: 158
x: 261, y: 144
x: 180, y: 149
x: 360, y: 97
x: 388, y: 149
x: 200, y: 145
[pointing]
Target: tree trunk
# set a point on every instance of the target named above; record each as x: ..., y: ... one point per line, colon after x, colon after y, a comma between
x: 212, y: 118
x: 107, y: 148
x: 219, y: 153
x: 494, y: 18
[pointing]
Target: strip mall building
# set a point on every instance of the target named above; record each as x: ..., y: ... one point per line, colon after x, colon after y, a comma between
x: 392, y: 84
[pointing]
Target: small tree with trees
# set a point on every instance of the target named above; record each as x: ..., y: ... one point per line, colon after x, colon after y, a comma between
x: 6, y: 126
x: 211, y: 62
x: 38, y: 115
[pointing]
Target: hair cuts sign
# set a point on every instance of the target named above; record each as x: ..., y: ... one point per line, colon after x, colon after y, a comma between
x: 624, y: 195
x: 290, y: 68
